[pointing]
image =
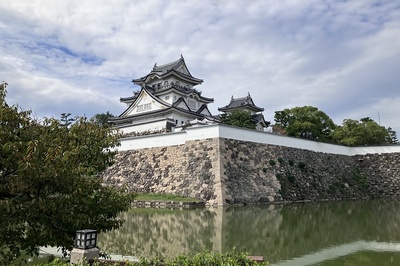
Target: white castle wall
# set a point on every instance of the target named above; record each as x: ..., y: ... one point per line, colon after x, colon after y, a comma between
x: 229, y: 132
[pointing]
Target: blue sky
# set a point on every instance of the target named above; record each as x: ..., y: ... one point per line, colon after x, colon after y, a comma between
x: 80, y: 56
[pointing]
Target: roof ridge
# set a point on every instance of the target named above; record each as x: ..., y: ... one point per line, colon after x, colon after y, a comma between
x: 167, y: 64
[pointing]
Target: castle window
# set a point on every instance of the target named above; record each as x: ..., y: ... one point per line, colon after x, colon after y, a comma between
x: 192, y: 104
x: 143, y: 107
x: 167, y: 97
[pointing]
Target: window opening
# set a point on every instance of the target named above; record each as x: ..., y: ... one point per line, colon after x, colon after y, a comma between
x: 143, y: 107
x: 192, y: 104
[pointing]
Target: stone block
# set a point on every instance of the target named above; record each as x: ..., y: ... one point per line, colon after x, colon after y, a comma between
x: 79, y: 256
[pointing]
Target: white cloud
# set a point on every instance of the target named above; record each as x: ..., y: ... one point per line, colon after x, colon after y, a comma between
x: 80, y: 56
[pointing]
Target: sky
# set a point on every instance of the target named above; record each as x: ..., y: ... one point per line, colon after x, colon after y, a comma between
x: 80, y: 57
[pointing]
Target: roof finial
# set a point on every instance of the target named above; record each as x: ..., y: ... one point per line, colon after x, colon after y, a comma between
x: 4, y: 84
x: 155, y: 65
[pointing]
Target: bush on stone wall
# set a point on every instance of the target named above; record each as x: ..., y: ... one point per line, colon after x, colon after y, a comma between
x: 302, y: 165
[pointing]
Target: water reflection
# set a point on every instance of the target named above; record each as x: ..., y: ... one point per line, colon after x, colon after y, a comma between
x: 358, y: 249
x: 277, y: 232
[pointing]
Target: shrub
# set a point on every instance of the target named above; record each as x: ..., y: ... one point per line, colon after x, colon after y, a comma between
x: 302, y: 165
x: 265, y: 170
x: 272, y: 162
x: 280, y: 160
x: 290, y: 177
x: 204, y: 258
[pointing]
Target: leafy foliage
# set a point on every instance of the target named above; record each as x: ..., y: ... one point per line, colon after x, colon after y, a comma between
x: 363, y: 132
x: 232, y: 258
x: 65, y: 120
x: 238, y: 118
x: 392, y: 136
x: 305, y: 122
x: 102, y: 119
x: 48, y: 183
x: 310, y: 123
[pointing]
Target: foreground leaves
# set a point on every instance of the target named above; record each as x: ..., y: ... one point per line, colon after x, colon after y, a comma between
x: 48, y: 183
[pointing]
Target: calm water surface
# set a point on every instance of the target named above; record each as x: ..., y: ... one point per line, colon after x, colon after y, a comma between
x: 339, y: 233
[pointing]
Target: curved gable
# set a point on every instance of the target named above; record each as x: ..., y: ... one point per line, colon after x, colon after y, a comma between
x: 144, y: 102
x: 181, y: 104
x: 204, y: 110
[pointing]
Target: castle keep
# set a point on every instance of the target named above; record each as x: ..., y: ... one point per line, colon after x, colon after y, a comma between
x: 168, y: 100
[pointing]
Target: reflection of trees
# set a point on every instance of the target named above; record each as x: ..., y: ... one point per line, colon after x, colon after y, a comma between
x: 328, y: 224
x: 151, y: 232
x: 252, y: 229
x: 306, y: 228
x: 276, y: 232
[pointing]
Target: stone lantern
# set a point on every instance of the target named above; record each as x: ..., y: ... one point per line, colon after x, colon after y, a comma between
x: 85, y: 247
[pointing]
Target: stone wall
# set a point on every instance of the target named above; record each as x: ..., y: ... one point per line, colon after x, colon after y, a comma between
x: 190, y: 170
x: 382, y: 172
x: 226, y: 171
x: 257, y: 173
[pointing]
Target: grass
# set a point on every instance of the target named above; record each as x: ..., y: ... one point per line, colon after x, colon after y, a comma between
x: 164, y: 197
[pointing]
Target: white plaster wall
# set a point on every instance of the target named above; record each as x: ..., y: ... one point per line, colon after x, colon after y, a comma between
x: 376, y: 149
x: 156, y: 125
x: 280, y: 140
x: 151, y: 141
x: 180, y: 118
x: 223, y: 131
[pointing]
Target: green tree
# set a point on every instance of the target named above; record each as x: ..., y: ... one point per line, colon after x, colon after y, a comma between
x: 65, y: 120
x: 48, y: 183
x: 102, y: 119
x: 238, y: 118
x: 393, y: 136
x: 305, y: 122
x: 363, y: 132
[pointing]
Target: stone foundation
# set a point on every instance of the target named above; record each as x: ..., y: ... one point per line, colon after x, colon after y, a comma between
x: 223, y: 171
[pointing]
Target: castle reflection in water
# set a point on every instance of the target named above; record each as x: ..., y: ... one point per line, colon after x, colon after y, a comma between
x: 283, y: 234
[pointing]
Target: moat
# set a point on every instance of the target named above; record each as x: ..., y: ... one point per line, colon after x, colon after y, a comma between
x: 323, y: 233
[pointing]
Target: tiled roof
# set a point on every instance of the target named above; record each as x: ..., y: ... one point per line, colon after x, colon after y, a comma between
x: 155, y: 92
x: 127, y: 119
x: 166, y: 69
x: 202, y: 108
x: 130, y: 98
x: 259, y: 118
x: 243, y: 102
